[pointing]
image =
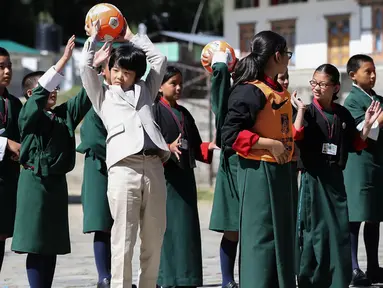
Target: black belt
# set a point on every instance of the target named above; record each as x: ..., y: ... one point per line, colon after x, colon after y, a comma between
x: 148, y: 152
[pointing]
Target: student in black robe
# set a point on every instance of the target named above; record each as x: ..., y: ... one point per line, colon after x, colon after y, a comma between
x: 181, y: 256
x: 10, y: 107
x: 328, y: 134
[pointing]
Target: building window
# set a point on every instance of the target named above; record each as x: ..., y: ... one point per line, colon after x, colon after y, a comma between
x: 246, y: 34
x: 286, y: 28
x: 277, y: 2
x: 377, y: 25
x: 246, y: 3
x: 338, y: 35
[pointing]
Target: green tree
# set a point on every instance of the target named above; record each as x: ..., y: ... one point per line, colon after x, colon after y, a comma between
x: 21, y: 16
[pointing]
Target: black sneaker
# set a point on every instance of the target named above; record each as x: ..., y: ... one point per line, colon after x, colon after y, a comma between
x: 376, y: 275
x: 105, y: 283
x: 359, y: 279
x: 231, y: 285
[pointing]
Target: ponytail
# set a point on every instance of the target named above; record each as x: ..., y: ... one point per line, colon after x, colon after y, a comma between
x: 263, y: 46
x: 247, y: 69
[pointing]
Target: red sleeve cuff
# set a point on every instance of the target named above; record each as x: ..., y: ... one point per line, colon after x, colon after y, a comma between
x: 207, y: 155
x: 358, y: 143
x: 245, y: 141
x: 298, y: 134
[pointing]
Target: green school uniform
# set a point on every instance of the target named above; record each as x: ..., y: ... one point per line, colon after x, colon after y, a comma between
x: 9, y: 169
x: 94, y: 199
x: 225, y: 212
x: 181, y: 255
x: 364, y: 171
x: 47, y: 154
x: 267, y: 253
x: 266, y: 202
x: 323, y: 227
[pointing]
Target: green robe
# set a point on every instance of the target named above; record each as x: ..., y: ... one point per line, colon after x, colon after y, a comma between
x: 94, y: 199
x: 225, y: 211
x: 364, y: 170
x: 181, y: 255
x: 9, y: 169
x: 267, y: 225
x: 47, y: 154
x: 324, y: 251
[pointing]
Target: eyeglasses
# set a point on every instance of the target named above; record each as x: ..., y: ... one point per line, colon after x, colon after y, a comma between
x: 322, y: 85
x: 57, y: 89
x: 289, y: 54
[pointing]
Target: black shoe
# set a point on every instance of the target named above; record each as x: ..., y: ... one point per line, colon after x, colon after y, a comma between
x: 105, y: 283
x: 231, y: 285
x: 375, y: 276
x: 359, y: 278
x: 134, y: 286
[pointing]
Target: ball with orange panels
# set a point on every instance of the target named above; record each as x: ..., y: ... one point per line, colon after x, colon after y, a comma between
x: 219, y: 46
x: 112, y: 22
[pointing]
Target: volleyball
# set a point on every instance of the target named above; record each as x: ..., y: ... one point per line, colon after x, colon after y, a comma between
x: 219, y: 46
x: 112, y: 21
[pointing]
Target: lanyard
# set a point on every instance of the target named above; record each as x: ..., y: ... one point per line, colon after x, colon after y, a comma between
x: 4, y: 116
x: 330, y: 130
x: 179, y: 124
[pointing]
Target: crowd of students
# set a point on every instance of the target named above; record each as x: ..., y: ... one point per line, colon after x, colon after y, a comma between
x: 141, y: 147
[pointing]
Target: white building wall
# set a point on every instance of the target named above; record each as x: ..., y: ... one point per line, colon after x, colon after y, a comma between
x: 310, y: 27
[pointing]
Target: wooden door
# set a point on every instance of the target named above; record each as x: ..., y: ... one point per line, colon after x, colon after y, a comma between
x: 338, y: 35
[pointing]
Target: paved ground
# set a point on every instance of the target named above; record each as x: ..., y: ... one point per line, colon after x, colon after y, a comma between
x: 78, y: 270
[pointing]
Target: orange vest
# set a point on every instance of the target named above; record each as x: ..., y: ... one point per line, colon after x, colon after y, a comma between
x: 273, y: 121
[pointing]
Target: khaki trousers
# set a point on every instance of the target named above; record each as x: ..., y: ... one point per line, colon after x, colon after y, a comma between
x: 137, y: 198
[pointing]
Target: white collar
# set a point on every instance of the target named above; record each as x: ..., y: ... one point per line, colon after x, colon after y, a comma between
x: 357, y: 86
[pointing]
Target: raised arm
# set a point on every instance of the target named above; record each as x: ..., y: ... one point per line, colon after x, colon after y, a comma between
x: 155, y: 58
x: 358, y: 112
x: 75, y: 108
x: 220, y: 86
x: 89, y: 76
x: 34, y: 107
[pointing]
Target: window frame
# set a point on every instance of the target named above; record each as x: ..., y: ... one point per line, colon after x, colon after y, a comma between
x: 255, y: 4
x: 340, y: 17
x: 253, y: 24
x: 374, y: 29
x: 276, y: 2
x: 287, y: 25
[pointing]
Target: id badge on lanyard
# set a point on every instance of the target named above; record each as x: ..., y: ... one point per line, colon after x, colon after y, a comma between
x: 328, y: 148
x: 183, y: 142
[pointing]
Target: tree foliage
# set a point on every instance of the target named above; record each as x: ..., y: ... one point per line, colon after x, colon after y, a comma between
x: 19, y: 20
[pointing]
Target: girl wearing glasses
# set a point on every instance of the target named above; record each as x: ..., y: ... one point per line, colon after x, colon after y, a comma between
x: 258, y: 126
x: 328, y: 134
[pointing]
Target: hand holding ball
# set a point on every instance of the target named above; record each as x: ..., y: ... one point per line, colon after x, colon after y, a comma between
x: 214, y: 47
x: 110, y: 20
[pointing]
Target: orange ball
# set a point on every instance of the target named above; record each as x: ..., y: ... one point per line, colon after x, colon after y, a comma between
x: 219, y: 46
x: 112, y: 21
